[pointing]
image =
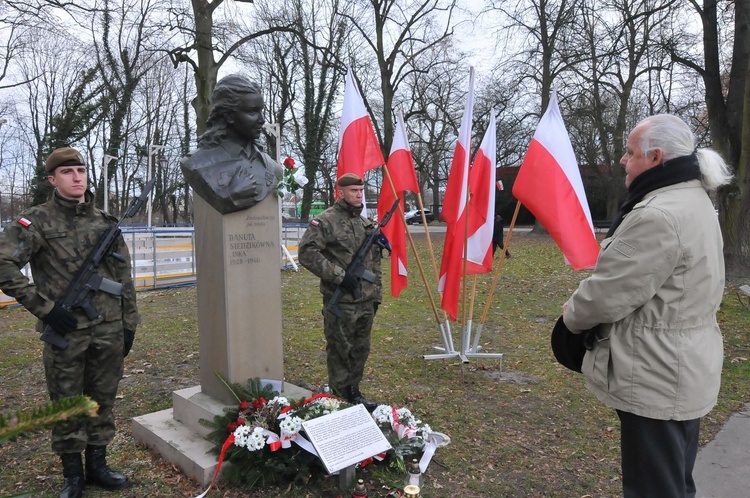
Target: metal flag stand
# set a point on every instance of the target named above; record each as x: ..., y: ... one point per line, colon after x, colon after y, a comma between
x: 471, y: 348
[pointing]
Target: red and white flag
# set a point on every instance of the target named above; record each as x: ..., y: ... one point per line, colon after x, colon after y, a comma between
x: 359, y: 150
x: 549, y: 184
x: 482, y: 205
x: 401, y: 170
x: 454, y: 203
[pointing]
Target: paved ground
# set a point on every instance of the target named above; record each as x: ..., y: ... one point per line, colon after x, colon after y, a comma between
x: 722, y: 469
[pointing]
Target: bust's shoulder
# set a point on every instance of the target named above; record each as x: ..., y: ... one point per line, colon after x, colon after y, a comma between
x: 203, y: 156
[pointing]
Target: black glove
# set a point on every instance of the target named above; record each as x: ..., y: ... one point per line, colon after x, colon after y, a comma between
x: 61, y: 320
x: 129, y: 336
x: 350, y: 282
x: 384, y: 244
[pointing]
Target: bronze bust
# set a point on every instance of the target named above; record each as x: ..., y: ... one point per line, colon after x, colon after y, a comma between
x: 228, y: 169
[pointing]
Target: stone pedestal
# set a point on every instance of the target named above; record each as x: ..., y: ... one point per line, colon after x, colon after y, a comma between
x: 239, y: 323
x: 239, y: 294
x: 177, y: 435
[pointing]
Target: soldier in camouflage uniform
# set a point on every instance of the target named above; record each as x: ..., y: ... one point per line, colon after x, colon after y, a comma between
x: 326, y: 249
x: 55, y: 238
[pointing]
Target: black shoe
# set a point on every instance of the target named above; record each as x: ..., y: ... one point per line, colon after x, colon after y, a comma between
x: 73, y: 472
x: 99, y: 473
x: 358, y: 399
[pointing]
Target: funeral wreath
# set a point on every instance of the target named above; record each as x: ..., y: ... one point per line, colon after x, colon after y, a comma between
x: 263, y: 438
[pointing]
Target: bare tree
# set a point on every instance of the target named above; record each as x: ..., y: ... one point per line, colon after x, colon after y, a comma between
x: 433, y: 120
x: 619, y: 36
x: 398, y: 32
x: 204, y: 41
x: 727, y: 87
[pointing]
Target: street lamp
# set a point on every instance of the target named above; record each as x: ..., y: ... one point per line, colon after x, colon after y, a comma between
x: 274, y: 130
x: 105, y: 177
x: 152, y: 148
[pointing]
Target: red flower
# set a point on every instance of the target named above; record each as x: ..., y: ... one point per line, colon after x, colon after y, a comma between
x: 289, y: 163
x: 259, y: 403
x: 240, y: 421
x: 244, y: 405
x: 231, y: 426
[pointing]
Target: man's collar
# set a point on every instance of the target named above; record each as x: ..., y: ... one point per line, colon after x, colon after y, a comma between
x: 353, y: 210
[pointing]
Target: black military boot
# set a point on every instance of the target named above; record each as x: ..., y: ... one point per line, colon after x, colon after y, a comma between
x: 357, y: 398
x: 99, y: 473
x: 73, y: 473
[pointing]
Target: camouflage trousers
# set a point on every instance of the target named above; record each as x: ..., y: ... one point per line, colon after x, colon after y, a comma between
x: 347, y: 342
x: 92, y: 365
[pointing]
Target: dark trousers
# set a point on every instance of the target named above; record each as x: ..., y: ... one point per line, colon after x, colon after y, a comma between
x: 658, y: 456
x: 347, y: 342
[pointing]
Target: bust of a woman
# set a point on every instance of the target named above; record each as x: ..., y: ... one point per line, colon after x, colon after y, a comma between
x: 228, y: 169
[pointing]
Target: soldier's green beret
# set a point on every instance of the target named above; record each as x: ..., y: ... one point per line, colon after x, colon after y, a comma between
x: 64, y: 156
x: 348, y: 179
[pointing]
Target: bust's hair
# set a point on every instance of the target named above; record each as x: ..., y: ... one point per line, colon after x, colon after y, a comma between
x: 224, y: 100
x: 674, y: 138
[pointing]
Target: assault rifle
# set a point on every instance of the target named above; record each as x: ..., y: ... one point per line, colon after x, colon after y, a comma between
x: 357, y: 267
x: 88, y: 279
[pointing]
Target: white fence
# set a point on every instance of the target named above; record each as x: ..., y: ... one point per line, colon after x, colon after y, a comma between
x: 165, y: 257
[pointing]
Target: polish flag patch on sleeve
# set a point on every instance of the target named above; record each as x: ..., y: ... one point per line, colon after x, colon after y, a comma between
x: 24, y: 222
x: 314, y: 222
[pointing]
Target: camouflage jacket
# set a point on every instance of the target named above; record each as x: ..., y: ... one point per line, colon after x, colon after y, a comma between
x: 55, y: 238
x: 330, y: 243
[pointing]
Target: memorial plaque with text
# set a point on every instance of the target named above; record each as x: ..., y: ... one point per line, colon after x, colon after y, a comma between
x: 346, y: 437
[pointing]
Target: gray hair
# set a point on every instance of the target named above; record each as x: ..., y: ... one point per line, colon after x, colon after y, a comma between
x: 674, y: 138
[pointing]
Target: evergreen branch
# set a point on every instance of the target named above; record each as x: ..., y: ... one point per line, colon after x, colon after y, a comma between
x: 55, y: 411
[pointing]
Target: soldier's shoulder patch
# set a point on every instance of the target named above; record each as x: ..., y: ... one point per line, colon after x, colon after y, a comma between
x: 314, y: 222
x: 25, y: 222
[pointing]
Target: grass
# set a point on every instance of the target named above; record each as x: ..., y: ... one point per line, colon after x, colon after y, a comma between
x: 523, y: 426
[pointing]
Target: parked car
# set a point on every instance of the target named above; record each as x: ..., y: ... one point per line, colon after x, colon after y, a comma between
x: 415, y: 216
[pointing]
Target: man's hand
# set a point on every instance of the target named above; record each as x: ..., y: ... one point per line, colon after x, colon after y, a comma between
x: 129, y: 336
x: 350, y: 282
x: 384, y: 244
x: 61, y: 320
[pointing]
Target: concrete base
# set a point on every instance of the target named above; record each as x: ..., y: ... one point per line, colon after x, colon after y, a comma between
x: 178, y: 437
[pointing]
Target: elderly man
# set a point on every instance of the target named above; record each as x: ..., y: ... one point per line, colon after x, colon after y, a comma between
x: 326, y: 249
x: 657, y: 355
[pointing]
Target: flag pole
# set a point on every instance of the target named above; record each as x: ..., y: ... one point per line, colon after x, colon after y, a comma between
x: 429, y: 240
x: 480, y: 327
x: 447, y: 340
x: 445, y: 322
x: 500, y: 264
x: 465, y: 324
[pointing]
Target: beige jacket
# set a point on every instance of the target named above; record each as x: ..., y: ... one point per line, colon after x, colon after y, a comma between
x: 657, y: 286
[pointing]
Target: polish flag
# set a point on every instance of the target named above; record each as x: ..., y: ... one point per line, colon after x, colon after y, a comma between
x: 359, y: 150
x: 401, y: 169
x: 549, y: 184
x: 482, y: 206
x: 454, y: 203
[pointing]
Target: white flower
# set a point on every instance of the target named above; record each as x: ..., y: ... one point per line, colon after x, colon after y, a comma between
x: 300, y: 178
x: 329, y: 404
x: 240, y: 435
x: 290, y: 426
x: 280, y: 401
x: 256, y: 440
x: 383, y: 414
x: 405, y: 417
